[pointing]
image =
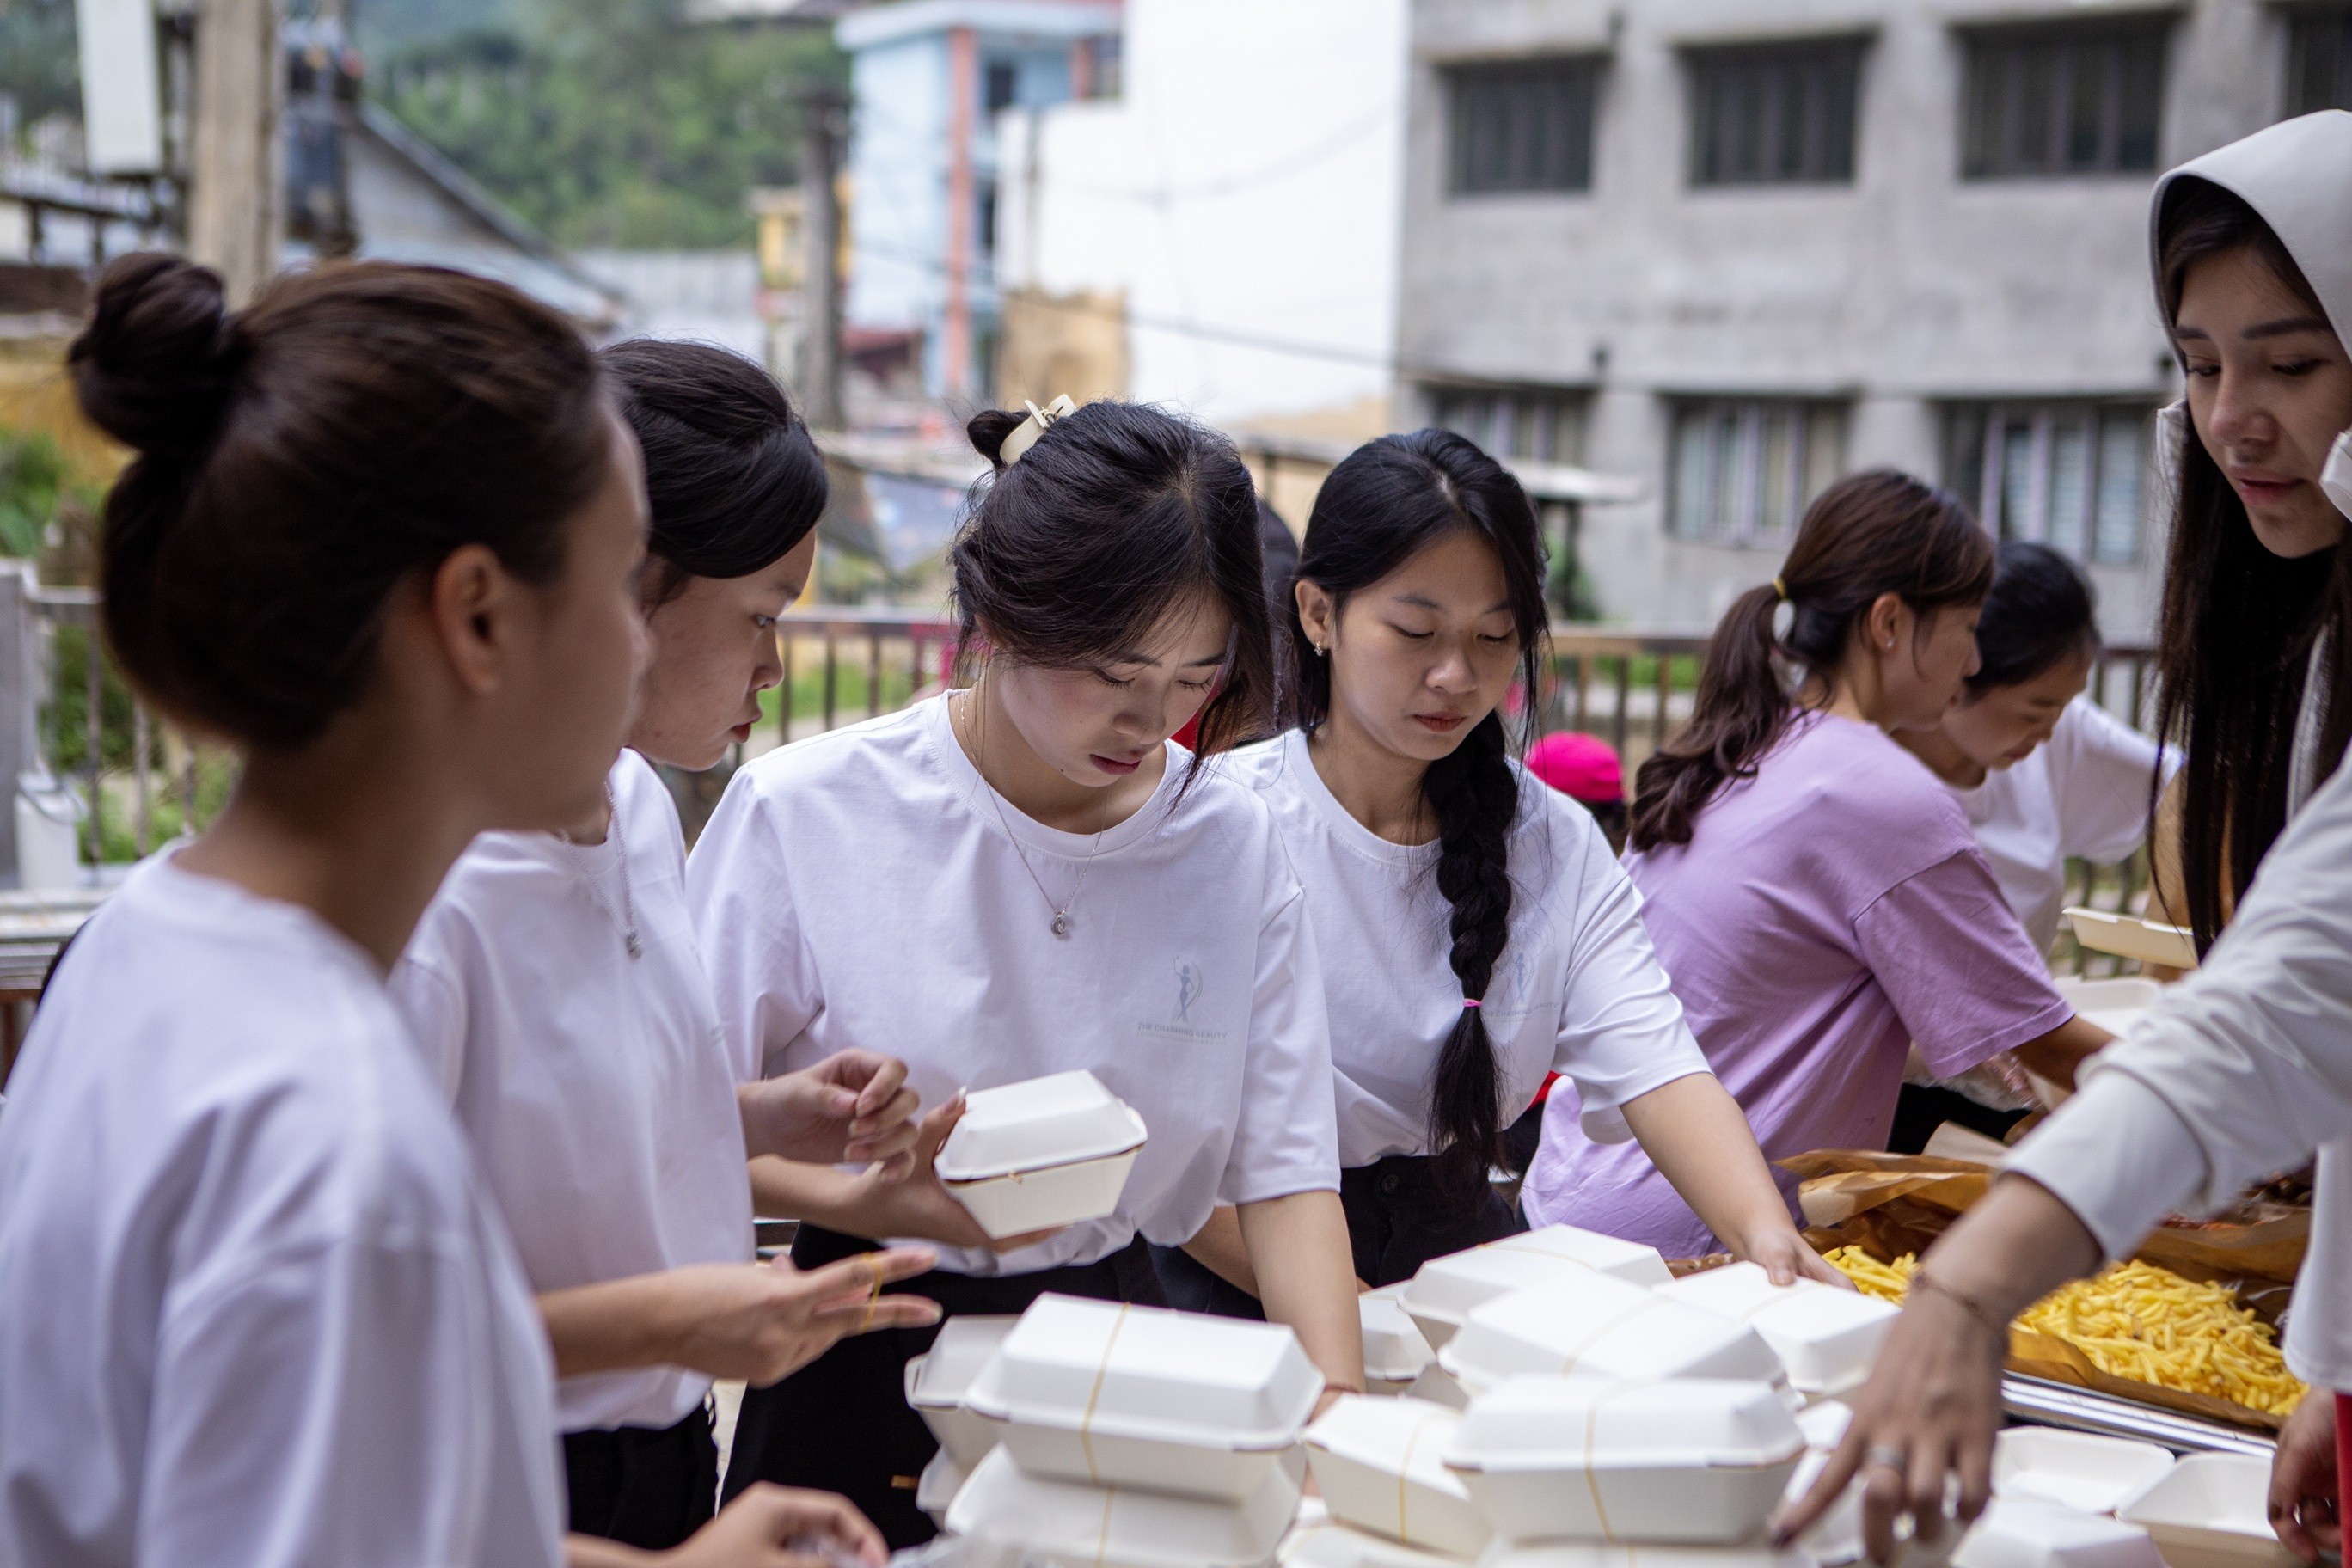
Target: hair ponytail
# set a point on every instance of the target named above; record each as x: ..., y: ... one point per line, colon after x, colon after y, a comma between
x: 1389, y: 499
x: 1869, y: 534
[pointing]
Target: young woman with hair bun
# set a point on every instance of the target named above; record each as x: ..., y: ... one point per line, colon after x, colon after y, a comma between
x: 556, y: 991
x: 380, y: 535
x: 1024, y: 877
x: 1816, y: 892
x: 1475, y: 931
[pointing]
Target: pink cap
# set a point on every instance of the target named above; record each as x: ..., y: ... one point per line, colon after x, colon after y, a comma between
x: 1582, y: 767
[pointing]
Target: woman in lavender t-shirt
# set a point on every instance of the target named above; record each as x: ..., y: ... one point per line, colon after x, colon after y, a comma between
x: 1814, y: 893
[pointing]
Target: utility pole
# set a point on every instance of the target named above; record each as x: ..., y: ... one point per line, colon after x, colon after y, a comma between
x: 823, y: 131
x: 235, y: 163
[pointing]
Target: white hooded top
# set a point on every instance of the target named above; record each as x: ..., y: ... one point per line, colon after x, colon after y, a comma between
x: 2246, y: 1067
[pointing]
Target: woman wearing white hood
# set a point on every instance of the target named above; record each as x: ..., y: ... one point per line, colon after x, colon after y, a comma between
x: 2246, y: 1067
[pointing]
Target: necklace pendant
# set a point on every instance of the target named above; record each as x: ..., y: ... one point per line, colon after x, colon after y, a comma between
x: 1062, y: 922
x: 636, y: 943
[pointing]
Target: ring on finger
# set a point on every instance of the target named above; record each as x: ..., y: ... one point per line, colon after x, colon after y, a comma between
x: 1885, y: 1457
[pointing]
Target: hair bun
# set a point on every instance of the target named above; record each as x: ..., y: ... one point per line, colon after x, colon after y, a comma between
x: 987, y: 428
x: 151, y: 368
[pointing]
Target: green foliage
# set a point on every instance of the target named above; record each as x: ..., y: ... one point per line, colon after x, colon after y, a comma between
x: 67, y: 719
x: 617, y: 122
x: 33, y: 478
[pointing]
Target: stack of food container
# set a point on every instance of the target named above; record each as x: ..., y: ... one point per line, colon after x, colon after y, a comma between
x: 1130, y: 1437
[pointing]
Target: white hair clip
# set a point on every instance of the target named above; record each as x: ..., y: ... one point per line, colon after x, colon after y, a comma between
x: 1024, y: 435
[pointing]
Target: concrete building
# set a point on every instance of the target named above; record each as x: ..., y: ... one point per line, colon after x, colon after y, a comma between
x: 928, y: 80
x: 1223, y: 237
x: 1736, y: 247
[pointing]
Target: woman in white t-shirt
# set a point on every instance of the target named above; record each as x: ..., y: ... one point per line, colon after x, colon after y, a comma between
x: 1475, y: 929
x: 555, y: 989
x: 2045, y: 775
x: 1025, y: 878
x: 380, y: 535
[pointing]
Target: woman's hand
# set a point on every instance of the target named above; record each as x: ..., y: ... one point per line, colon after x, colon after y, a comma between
x: 879, y: 1206
x: 1786, y: 1256
x: 758, y: 1322
x: 782, y: 1527
x: 2304, y: 1509
x: 853, y: 1107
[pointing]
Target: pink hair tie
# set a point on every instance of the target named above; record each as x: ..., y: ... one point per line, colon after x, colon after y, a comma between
x: 1469, y: 1001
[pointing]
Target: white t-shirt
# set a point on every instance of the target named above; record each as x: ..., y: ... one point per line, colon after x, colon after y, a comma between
x: 1577, y: 990
x: 2241, y: 1070
x: 253, y: 1309
x: 2082, y: 793
x: 860, y: 888
x: 596, y: 1087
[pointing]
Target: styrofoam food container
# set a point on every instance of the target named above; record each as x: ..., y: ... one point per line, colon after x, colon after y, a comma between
x: 2075, y: 1469
x: 1608, y: 1328
x: 1610, y: 1255
x: 1081, y: 1526
x: 1337, y: 1546
x: 2027, y: 1532
x: 936, y: 1382
x: 935, y: 1488
x: 2211, y: 1510
x: 1139, y: 1396
x: 1824, y: 1422
x: 1835, y: 1537
x: 1597, y: 1555
x: 2127, y: 936
x: 1045, y: 1152
x: 1702, y: 1461
x: 1445, y: 1289
x: 1437, y: 1385
x: 1395, y: 1353
x: 1376, y: 1462
x: 2113, y: 1004
x: 1825, y: 1337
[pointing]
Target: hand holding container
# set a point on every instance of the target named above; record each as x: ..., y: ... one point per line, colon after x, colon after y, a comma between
x: 1044, y: 1152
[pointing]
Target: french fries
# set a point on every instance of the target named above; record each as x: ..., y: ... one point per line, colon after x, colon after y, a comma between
x: 2138, y: 1322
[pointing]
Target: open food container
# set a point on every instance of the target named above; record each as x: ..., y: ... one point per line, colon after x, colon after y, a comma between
x: 1613, y: 1255
x: 1596, y: 1554
x: 936, y: 1382
x: 2113, y: 1006
x: 2075, y: 1469
x: 1137, y: 1396
x: 1443, y: 1293
x: 2211, y: 1510
x: 1047, y: 1151
x: 1825, y: 1337
x: 1337, y: 1546
x: 2127, y: 936
x: 1702, y: 1462
x: 1395, y: 1353
x: 1376, y: 1462
x: 1081, y: 1526
x: 1606, y: 1328
x: 2026, y: 1533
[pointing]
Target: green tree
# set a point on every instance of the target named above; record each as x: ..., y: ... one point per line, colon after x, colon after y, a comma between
x: 618, y: 123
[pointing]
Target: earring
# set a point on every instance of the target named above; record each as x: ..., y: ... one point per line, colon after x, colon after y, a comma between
x: 1317, y: 648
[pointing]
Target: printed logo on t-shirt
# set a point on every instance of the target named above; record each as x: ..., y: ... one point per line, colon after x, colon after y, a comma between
x: 1510, y: 994
x: 1185, y: 983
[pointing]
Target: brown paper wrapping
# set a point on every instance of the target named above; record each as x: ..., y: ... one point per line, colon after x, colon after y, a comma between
x: 1889, y: 1204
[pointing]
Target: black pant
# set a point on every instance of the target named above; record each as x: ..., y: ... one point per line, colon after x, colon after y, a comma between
x: 842, y: 1423
x: 1398, y: 1219
x: 643, y: 1487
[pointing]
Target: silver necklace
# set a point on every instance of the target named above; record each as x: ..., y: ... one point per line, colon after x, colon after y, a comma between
x: 1061, y: 922
x: 629, y: 938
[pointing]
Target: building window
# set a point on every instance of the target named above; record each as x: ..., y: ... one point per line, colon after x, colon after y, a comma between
x: 1538, y: 425
x: 2063, y: 99
x: 1742, y: 471
x: 1000, y: 86
x: 2319, y: 59
x: 1525, y: 126
x: 2068, y: 475
x: 1771, y: 114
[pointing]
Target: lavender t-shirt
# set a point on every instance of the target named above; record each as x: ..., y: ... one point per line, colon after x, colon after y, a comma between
x: 1826, y: 914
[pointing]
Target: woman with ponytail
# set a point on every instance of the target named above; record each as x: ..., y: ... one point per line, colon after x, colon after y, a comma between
x: 1814, y: 890
x: 1477, y: 933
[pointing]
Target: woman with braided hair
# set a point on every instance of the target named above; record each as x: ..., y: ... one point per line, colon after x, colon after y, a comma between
x: 1475, y: 931
x: 1817, y: 893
